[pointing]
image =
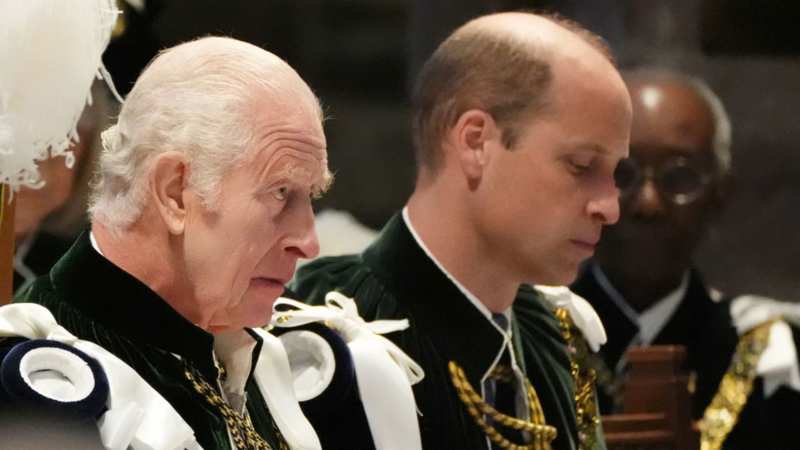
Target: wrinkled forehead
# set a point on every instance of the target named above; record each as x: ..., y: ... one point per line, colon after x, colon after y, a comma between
x: 286, y: 126
x: 292, y: 146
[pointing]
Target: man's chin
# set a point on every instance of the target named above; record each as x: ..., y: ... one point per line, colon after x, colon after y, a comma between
x: 563, y: 277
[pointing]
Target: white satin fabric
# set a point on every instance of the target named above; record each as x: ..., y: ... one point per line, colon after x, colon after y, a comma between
x: 384, y: 372
x: 274, y: 380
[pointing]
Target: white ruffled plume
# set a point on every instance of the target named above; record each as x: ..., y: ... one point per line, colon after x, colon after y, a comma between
x: 51, y: 52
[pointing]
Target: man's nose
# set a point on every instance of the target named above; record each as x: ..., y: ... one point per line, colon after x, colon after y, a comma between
x: 646, y: 201
x: 605, y: 207
x: 302, y: 240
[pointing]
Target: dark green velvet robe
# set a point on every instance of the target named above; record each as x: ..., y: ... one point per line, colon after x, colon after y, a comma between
x: 99, y: 302
x: 395, y: 279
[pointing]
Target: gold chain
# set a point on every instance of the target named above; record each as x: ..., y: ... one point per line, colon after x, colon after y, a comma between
x: 585, y: 377
x: 722, y: 413
x: 243, y: 434
x: 542, y: 434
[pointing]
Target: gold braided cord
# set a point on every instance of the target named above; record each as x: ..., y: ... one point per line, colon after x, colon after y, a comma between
x: 241, y: 429
x: 722, y: 413
x: 541, y: 433
x: 505, y: 374
x: 585, y: 377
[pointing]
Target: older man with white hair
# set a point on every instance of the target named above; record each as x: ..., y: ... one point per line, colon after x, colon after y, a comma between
x: 200, y: 210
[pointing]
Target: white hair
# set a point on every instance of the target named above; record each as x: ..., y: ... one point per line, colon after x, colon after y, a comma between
x: 721, y: 141
x: 197, y: 98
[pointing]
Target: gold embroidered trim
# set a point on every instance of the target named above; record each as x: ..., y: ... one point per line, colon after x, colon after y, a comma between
x: 722, y: 413
x: 541, y: 433
x: 243, y: 434
x: 585, y: 377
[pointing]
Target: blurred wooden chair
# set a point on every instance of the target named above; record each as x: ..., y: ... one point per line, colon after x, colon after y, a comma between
x: 656, y: 407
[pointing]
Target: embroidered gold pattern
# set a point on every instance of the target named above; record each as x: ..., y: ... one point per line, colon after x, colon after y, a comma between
x: 541, y: 433
x: 585, y: 377
x: 241, y: 429
x: 722, y: 413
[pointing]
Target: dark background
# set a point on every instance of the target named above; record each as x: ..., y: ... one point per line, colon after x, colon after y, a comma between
x: 360, y: 55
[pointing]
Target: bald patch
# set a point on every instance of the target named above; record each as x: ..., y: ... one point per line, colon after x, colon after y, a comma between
x: 523, y: 27
x: 547, y: 35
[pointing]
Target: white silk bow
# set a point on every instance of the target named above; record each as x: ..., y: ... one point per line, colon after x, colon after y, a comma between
x: 384, y: 373
x: 341, y: 314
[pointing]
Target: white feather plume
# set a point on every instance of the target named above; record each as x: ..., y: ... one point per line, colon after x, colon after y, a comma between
x: 50, y: 52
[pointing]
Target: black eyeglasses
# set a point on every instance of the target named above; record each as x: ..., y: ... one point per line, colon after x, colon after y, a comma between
x: 677, y: 179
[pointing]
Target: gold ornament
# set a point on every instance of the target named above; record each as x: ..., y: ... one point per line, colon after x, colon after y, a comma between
x: 542, y: 434
x: 722, y: 413
x: 585, y: 377
x: 241, y: 429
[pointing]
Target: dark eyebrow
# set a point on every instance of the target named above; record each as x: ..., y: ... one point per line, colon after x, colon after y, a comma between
x: 592, y: 147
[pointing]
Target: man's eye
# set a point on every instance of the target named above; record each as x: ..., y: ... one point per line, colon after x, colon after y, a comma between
x: 281, y: 194
x: 579, y: 167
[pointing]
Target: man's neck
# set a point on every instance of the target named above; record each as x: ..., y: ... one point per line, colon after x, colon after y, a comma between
x: 449, y: 237
x: 643, y: 292
x: 139, y: 253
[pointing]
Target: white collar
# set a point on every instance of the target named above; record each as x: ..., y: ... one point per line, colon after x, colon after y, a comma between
x: 470, y: 296
x: 235, y: 349
x: 95, y: 245
x: 653, y: 319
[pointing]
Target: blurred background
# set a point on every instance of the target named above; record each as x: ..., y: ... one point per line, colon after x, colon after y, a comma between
x: 360, y: 56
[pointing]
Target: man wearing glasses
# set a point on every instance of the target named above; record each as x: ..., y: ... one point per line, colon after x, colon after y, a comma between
x: 642, y: 282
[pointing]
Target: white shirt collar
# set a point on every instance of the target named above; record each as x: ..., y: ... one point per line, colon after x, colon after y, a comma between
x: 470, y: 296
x: 95, y: 245
x: 652, y: 320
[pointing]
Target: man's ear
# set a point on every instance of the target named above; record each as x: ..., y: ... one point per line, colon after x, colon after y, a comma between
x: 167, y: 181
x: 471, y: 138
